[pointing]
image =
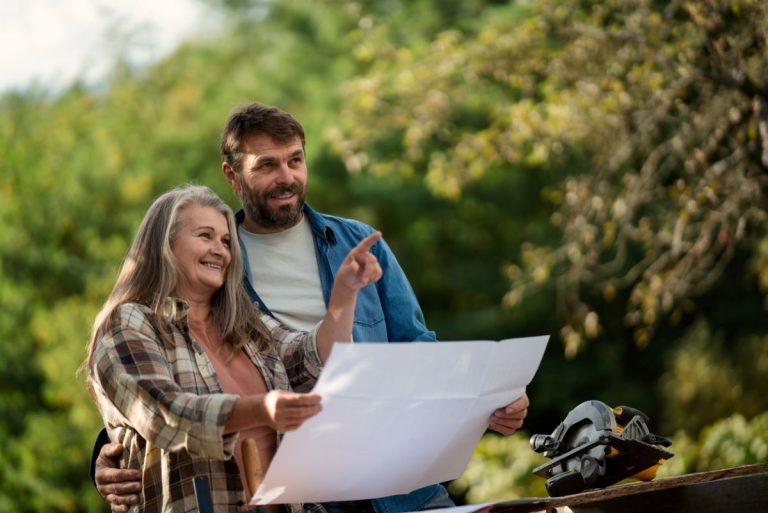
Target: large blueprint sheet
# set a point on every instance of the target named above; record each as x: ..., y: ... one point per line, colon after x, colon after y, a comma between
x: 397, y: 417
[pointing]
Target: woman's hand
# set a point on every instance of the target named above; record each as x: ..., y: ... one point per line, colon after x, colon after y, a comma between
x: 281, y: 410
x: 286, y: 411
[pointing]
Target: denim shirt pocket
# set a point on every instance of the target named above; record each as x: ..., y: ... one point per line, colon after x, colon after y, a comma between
x: 369, y: 325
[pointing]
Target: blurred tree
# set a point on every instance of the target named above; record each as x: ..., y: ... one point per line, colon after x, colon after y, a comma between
x: 729, y: 442
x: 654, y: 110
x: 649, y: 119
x: 622, y: 113
x: 71, y: 196
x: 702, y: 359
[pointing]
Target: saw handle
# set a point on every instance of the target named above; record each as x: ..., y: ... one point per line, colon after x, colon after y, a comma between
x: 254, y: 472
x: 624, y: 414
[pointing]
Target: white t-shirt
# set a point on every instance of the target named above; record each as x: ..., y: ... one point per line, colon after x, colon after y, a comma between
x: 284, y: 273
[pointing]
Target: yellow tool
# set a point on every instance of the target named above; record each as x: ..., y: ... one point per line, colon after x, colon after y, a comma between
x: 597, y: 446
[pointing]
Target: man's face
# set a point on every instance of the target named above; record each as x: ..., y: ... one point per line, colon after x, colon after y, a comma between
x: 271, y: 184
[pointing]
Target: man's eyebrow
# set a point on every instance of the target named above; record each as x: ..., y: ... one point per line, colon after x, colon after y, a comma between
x: 260, y: 159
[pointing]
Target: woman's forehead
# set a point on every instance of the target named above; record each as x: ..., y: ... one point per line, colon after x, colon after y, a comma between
x: 195, y: 214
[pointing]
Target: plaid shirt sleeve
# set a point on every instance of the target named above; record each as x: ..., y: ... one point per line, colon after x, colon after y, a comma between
x: 298, y: 352
x: 166, y: 403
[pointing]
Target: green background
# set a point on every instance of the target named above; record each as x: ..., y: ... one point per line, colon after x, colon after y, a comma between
x: 594, y: 171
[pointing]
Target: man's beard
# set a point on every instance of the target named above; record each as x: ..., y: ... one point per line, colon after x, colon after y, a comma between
x: 257, y: 209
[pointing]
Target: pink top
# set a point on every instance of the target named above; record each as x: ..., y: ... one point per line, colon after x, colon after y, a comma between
x: 238, y: 375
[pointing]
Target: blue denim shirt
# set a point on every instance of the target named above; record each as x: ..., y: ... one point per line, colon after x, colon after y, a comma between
x: 386, y: 312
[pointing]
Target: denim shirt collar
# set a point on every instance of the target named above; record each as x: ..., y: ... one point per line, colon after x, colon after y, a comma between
x: 324, y: 238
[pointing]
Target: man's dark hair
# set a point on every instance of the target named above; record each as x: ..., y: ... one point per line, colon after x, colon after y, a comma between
x: 252, y: 119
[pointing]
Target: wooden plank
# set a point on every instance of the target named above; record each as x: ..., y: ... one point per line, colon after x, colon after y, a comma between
x: 731, y: 495
x: 742, y: 488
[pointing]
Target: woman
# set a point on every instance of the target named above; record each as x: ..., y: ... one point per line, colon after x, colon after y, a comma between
x: 180, y: 361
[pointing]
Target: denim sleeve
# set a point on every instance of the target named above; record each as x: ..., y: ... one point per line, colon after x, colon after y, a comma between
x: 402, y: 313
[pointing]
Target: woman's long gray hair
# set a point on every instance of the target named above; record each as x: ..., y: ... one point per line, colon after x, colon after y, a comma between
x: 150, y: 274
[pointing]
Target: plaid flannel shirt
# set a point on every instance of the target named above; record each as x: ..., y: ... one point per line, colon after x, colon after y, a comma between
x: 162, y: 401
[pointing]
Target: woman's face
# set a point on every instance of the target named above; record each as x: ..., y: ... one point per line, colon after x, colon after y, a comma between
x: 202, y: 249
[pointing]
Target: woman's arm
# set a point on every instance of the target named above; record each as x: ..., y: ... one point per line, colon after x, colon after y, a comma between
x: 278, y: 409
x: 136, y: 385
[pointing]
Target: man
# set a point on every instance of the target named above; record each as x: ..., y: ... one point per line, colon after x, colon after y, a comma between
x: 292, y: 254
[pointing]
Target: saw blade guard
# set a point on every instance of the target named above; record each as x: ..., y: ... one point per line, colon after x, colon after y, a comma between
x: 596, y: 446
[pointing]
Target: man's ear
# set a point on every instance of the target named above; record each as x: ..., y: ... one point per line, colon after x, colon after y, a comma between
x: 231, y: 176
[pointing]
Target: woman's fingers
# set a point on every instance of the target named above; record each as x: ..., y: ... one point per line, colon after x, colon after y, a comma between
x: 289, y: 410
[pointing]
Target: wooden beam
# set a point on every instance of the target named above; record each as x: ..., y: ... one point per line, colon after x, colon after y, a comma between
x: 735, y: 489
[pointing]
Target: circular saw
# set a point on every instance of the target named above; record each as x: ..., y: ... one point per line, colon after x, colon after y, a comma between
x: 597, y: 446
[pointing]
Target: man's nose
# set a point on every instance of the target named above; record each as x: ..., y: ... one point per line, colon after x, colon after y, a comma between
x: 285, y: 173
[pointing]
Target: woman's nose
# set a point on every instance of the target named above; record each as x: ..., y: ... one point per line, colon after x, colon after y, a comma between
x: 220, y: 247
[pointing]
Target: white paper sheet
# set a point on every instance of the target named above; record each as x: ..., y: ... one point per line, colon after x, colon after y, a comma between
x: 397, y: 417
x: 469, y: 508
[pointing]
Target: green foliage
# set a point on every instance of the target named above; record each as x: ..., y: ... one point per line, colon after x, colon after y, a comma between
x: 730, y: 442
x: 662, y: 104
x: 595, y: 166
x: 702, y: 359
x: 500, y: 469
